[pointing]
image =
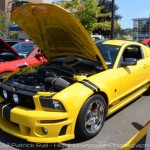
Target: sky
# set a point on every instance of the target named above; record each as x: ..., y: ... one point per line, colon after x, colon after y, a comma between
x: 129, y: 9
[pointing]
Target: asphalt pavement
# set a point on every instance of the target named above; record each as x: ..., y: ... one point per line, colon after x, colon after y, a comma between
x: 117, y: 130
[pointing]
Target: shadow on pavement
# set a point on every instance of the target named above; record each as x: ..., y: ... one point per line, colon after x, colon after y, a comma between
x: 137, y: 125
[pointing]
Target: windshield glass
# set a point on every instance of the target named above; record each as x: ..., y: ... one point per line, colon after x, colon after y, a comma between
x: 24, y: 49
x: 109, y: 53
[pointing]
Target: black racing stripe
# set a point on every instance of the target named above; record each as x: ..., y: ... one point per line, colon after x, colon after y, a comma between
x: 88, y: 86
x: 110, y: 105
x: 124, y: 97
x: 3, y: 103
x: 91, y: 83
x: 6, y: 111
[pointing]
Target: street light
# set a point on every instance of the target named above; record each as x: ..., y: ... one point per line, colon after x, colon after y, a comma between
x: 112, y: 19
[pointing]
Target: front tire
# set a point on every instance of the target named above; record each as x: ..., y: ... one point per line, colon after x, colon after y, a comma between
x: 91, y: 117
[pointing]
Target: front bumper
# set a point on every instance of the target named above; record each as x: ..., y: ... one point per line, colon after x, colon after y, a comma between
x: 36, y: 125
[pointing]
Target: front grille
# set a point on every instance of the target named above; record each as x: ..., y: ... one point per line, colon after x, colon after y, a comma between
x: 25, y: 99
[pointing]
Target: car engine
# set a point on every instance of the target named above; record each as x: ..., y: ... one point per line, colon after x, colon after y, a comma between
x: 50, y: 78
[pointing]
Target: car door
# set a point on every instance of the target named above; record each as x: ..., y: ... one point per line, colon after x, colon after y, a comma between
x: 133, y: 77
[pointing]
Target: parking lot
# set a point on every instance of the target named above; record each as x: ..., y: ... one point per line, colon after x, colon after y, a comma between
x: 118, y: 129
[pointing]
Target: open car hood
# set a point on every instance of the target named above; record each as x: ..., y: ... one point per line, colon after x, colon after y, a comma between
x: 5, y: 47
x: 56, y: 31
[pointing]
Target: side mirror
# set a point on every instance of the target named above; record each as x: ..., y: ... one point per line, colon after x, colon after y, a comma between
x: 128, y: 62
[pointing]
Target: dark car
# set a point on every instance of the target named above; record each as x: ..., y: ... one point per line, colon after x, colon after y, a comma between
x: 11, y: 42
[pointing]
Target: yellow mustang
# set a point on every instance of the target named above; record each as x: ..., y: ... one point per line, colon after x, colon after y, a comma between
x: 81, y: 85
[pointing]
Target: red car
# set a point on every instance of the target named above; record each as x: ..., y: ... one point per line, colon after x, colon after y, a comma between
x: 146, y: 42
x: 20, y: 55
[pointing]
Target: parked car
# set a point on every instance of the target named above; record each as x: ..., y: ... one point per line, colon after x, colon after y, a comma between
x: 96, y: 37
x: 83, y: 83
x: 146, y: 42
x: 11, y: 61
x: 11, y: 42
x: 26, y: 49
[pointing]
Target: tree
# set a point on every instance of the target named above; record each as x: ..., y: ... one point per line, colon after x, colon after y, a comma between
x: 95, y: 15
x: 103, y: 25
x: 128, y: 31
x: 85, y: 10
x: 4, y: 23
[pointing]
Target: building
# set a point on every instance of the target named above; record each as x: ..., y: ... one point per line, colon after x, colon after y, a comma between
x: 9, y: 6
x: 6, y: 5
x: 3, y: 5
x: 141, y: 28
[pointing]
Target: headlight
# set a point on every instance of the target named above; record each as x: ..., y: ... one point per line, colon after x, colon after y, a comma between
x: 57, y: 105
x: 5, y: 94
x: 15, y: 98
x: 48, y: 102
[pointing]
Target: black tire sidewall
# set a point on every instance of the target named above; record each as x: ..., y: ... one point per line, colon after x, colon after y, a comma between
x: 80, y: 125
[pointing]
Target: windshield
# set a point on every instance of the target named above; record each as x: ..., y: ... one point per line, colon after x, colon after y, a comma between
x: 24, y: 49
x: 109, y: 53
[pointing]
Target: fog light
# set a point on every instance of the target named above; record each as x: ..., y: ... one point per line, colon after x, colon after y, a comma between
x: 15, y: 98
x: 45, y: 131
x: 41, y: 131
x: 5, y: 94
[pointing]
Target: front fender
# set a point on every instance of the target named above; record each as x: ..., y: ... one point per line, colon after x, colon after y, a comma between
x: 74, y: 96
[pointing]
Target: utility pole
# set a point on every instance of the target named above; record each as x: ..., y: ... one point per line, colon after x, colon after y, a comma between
x: 149, y: 25
x: 137, y: 30
x: 112, y: 20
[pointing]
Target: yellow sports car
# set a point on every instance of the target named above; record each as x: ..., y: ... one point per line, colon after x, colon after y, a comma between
x: 81, y: 85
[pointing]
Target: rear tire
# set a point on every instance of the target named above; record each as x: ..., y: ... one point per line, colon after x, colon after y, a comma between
x: 91, y: 117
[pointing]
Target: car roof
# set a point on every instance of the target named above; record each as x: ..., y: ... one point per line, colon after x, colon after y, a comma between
x: 115, y: 42
x: 30, y: 42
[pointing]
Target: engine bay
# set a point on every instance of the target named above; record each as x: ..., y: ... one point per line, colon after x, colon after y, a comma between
x: 51, y: 78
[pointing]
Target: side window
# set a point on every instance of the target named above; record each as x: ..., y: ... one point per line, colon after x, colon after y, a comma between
x: 133, y: 51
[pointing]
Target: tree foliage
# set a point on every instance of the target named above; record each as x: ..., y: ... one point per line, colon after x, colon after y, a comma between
x: 95, y: 15
x: 86, y: 11
x: 4, y: 23
x: 128, y: 31
x: 105, y: 16
x: 121, y: 38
